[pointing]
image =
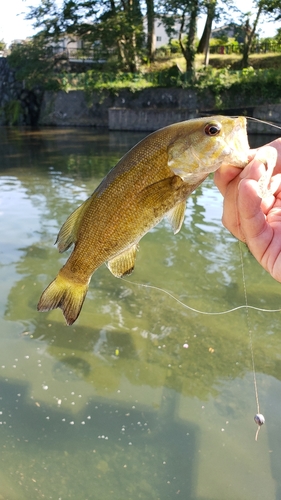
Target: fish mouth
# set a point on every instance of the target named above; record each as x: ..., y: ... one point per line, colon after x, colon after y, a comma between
x: 239, y: 145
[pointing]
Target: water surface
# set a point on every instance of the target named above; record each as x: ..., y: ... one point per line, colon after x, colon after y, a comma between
x: 141, y: 398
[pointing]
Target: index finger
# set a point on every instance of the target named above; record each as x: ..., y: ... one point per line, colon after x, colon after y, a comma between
x: 256, y: 230
x: 224, y: 175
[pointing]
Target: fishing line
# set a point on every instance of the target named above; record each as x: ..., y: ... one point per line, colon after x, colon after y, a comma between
x: 263, y: 121
x: 198, y: 311
x: 258, y: 120
x: 259, y: 418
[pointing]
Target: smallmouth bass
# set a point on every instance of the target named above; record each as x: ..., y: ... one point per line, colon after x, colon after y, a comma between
x: 152, y: 180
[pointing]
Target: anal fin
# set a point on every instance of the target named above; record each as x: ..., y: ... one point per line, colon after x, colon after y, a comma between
x: 124, y: 263
x: 176, y: 216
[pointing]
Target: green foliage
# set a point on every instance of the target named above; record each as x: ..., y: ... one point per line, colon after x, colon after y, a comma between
x: 230, y: 46
x: 260, y: 85
x: 36, y: 64
x: 12, y: 112
x: 175, y: 47
x: 250, y: 85
x: 2, y: 45
x: 101, y: 80
x: 247, y: 85
x: 215, y: 42
x: 222, y: 40
x: 163, y: 52
x: 278, y: 36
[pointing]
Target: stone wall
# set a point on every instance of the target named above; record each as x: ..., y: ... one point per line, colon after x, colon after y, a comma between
x: 17, y: 105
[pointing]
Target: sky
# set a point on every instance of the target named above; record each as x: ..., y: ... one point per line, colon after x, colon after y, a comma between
x: 13, y: 25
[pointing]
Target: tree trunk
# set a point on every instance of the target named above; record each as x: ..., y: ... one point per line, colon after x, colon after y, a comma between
x: 150, y: 29
x: 204, y: 44
x: 206, y: 35
x: 119, y: 43
x: 134, y: 18
x: 248, y: 38
x: 189, y: 50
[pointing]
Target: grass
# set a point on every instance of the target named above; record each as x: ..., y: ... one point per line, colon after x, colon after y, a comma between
x: 231, y: 61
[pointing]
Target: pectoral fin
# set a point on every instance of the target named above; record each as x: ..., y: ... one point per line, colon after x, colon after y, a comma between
x: 68, y: 232
x: 124, y: 263
x: 160, y: 192
x: 176, y: 216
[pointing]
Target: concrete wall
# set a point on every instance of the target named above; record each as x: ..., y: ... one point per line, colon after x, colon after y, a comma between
x: 145, y: 110
x: 148, y: 109
x: 267, y: 113
x: 150, y: 120
x: 146, y: 119
x: 74, y: 109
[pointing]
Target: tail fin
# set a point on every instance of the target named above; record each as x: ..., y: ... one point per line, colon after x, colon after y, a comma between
x: 65, y: 294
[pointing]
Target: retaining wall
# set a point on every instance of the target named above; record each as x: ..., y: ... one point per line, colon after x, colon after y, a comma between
x: 146, y: 110
x: 146, y: 119
x: 143, y: 110
x: 17, y: 104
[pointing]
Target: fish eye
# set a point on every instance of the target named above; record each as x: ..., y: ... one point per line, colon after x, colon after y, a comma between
x: 212, y: 129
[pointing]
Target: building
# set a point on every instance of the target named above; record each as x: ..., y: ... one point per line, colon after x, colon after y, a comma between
x: 161, y: 35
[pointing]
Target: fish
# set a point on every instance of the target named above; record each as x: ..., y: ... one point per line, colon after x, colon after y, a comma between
x: 151, y: 181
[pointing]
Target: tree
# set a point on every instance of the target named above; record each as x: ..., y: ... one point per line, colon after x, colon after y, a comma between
x: 115, y: 24
x: 36, y: 64
x: 188, y: 49
x: 249, y: 37
x: 216, y: 10
x: 271, y: 7
x: 186, y: 13
x: 204, y: 43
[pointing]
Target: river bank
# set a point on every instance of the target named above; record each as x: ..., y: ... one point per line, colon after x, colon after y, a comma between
x: 145, y: 110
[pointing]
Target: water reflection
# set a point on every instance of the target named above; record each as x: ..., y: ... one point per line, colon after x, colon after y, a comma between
x: 142, y: 398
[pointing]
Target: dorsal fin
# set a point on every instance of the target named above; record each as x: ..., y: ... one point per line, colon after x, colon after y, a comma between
x: 124, y: 263
x: 176, y: 216
x: 68, y: 232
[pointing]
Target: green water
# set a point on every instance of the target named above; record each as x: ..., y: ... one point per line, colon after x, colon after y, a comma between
x: 141, y: 398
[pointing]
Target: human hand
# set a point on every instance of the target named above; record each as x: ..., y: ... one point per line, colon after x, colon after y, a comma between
x: 252, y: 219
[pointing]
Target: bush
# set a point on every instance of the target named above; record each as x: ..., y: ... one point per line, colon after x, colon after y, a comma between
x: 36, y: 64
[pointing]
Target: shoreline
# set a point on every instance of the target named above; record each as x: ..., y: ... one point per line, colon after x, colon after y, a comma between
x: 145, y: 111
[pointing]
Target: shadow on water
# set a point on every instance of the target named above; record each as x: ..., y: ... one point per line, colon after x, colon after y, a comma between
x: 131, y: 453
x: 79, y: 152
